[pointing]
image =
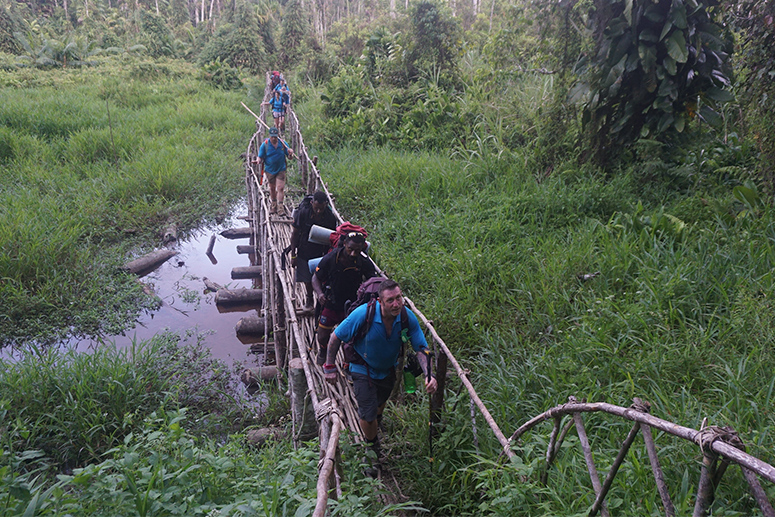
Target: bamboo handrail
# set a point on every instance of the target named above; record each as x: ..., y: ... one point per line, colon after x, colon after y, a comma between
x: 743, y: 459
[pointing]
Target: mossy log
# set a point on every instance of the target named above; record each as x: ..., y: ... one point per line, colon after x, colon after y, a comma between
x: 246, y: 272
x: 250, y: 326
x: 149, y: 262
x: 238, y: 297
x: 244, y: 232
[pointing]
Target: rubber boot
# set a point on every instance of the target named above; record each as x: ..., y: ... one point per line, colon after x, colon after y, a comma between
x: 371, y: 459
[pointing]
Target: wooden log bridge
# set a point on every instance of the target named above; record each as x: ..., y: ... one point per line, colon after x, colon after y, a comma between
x: 291, y: 337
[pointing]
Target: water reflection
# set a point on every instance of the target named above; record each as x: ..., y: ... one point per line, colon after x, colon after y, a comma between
x: 187, y: 305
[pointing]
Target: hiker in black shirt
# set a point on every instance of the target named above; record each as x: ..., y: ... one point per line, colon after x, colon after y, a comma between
x: 317, y: 212
x: 336, y: 280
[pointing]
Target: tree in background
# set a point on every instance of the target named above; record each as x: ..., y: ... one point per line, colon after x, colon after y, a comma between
x: 756, y: 20
x: 657, y: 65
x: 10, y: 23
x: 155, y: 35
x: 296, y: 34
x: 238, y: 44
x: 436, y: 40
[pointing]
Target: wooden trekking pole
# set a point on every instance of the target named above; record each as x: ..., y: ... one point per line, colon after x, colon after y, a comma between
x: 293, y: 156
x: 428, y: 378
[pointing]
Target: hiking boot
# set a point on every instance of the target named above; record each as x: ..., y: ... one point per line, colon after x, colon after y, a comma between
x: 273, y: 208
x: 372, y: 459
x: 307, y: 310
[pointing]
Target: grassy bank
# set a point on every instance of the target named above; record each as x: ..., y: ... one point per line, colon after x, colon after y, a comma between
x: 158, y: 429
x: 96, y: 163
x: 679, y: 314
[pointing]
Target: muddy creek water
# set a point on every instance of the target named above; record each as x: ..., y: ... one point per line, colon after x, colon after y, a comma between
x: 187, y: 308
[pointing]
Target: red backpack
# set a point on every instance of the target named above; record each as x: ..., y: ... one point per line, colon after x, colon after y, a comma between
x: 342, y: 230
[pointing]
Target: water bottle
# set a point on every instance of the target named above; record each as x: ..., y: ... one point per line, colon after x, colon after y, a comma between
x: 410, y: 385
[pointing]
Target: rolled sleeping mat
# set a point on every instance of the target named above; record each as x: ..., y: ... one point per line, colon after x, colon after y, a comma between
x: 320, y: 235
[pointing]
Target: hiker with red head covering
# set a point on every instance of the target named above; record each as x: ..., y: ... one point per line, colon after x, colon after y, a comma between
x: 336, y: 280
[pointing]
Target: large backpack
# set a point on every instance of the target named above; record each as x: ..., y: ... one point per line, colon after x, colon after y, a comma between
x: 368, y: 293
x: 342, y: 230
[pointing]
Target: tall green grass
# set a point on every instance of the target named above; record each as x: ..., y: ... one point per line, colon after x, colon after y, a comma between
x: 75, y: 406
x: 95, y: 164
x: 149, y: 430
x: 494, y: 252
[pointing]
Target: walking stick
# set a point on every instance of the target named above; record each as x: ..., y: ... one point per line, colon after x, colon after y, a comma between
x: 293, y: 156
x: 428, y: 377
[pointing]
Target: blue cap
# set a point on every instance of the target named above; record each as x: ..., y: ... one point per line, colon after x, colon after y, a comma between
x: 273, y: 131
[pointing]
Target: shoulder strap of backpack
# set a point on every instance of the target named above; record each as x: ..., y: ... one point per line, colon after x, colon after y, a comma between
x: 405, y: 339
x: 371, y: 310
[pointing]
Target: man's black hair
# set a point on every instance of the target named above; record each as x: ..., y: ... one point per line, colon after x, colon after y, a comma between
x: 387, y: 285
x: 320, y: 197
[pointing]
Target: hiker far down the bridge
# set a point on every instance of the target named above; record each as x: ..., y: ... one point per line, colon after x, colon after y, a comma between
x: 336, y: 280
x: 375, y: 335
x: 313, y: 210
x: 278, y: 109
x: 271, y: 160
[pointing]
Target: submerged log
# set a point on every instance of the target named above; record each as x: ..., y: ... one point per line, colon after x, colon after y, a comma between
x: 238, y: 233
x: 210, y: 245
x: 246, y: 272
x: 238, y: 297
x: 210, y: 285
x: 250, y: 326
x: 257, y: 374
x: 150, y: 261
x: 170, y: 234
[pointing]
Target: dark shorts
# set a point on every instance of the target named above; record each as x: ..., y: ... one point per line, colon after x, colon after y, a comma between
x: 330, y: 318
x: 302, y: 270
x: 272, y: 178
x: 371, y: 393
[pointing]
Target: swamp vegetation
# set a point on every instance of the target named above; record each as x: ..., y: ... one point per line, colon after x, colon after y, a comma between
x: 564, y: 241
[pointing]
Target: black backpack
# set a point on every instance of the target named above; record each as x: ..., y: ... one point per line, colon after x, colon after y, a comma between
x: 305, y: 202
x: 368, y: 293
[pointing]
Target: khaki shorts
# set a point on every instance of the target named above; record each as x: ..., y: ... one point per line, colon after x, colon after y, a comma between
x: 272, y: 178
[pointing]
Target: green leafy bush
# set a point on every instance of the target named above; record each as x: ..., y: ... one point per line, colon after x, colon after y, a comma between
x: 221, y: 75
x: 656, y: 67
x: 238, y: 44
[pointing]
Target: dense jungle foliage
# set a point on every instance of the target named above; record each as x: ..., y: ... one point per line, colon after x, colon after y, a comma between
x: 578, y: 193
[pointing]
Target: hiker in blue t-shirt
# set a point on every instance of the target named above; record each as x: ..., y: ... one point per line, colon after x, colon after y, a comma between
x: 278, y: 110
x: 378, y: 352
x: 271, y: 160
